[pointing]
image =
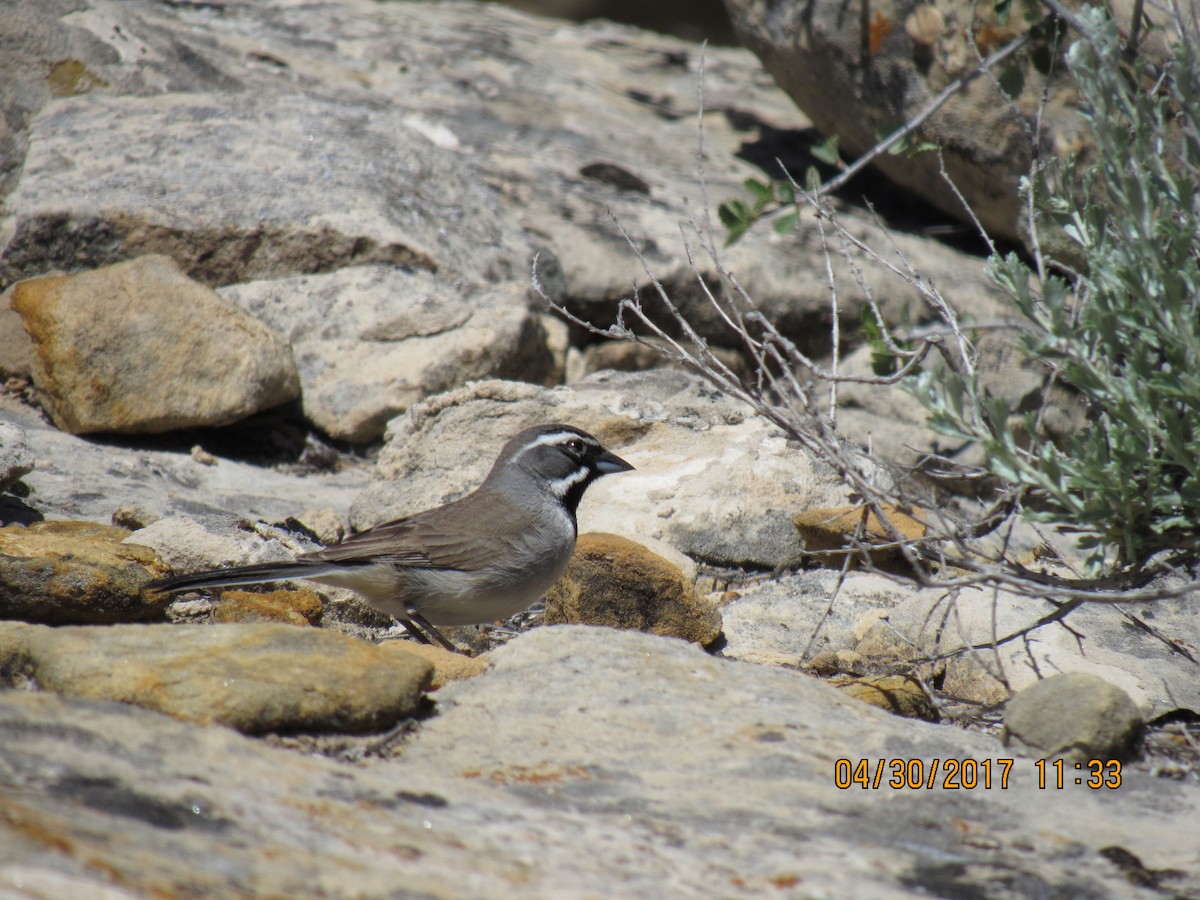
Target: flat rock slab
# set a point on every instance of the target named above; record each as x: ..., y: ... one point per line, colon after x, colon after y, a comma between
x: 78, y: 478
x: 255, y: 678
x: 737, y: 766
x: 587, y: 762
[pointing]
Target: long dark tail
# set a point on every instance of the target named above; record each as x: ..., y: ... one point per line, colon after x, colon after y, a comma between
x: 255, y: 574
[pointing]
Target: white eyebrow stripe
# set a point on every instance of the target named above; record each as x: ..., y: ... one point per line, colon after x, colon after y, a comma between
x: 556, y: 437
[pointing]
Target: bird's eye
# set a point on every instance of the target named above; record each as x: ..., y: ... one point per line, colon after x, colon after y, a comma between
x: 575, y: 445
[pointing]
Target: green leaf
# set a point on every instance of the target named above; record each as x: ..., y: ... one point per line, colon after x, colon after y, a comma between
x: 826, y: 151
x: 786, y: 223
x: 729, y: 216
x: 762, y: 192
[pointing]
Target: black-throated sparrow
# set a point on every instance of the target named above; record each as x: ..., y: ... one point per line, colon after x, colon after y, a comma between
x: 481, y: 558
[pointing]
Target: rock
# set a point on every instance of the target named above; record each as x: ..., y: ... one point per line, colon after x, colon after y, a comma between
x: 872, y: 624
x: 615, y: 582
x: 371, y: 341
x: 1132, y: 647
x: 447, y: 666
x: 1076, y: 717
x: 254, y: 678
x: 898, y: 694
x: 825, y: 530
x: 710, y: 480
x: 789, y: 620
x: 187, y: 544
x: 892, y: 421
x: 302, y: 607
x: 16, y: 349
x: 326, y: 524
x: 15, y: 459
x: 664, y: 762
x: 76, y: 573
x: 593, y: 722
x: 894, y: 63
x: 628, y: 356
x: 108, y: 351
x: 82, y: 479
x: 332, y: 188
x: 366, y: 162
x: 132, y: 517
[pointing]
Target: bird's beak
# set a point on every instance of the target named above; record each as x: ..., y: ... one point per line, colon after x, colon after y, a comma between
x: 609, y: 464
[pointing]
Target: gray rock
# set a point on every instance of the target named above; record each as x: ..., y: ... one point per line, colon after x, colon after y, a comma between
x: 669, y: 766
x: 788, y: 620
x: 737, y: 763
x: 16, y: 349
x: 76, y: 478
x: 15, y: 459
x: 140, y: 348
x: 1076, y: 717
x: 371, y: 341
x: 255, y: 678
x: 311, y: 156
x: 872, y: 623
x: 241, y: 186
x: 1101, y: 640
x: 894, y: 63
x: 711, y: 480
x: 188, y: 544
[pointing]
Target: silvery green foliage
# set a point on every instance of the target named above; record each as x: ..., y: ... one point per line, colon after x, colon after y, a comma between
x: 1124, y: 330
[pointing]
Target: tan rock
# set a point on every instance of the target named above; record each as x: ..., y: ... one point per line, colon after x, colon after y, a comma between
x: 899, y: 694
x: 76, y: 573
x: 255, y: 678
x: 302, y: 607
x: 327, y: 524
x: 824, y: 530
x: 139, y: 347
x: 615, y: 582
x: 447, y: 666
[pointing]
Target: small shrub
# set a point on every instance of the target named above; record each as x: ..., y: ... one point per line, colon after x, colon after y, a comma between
x: 1121, y: 324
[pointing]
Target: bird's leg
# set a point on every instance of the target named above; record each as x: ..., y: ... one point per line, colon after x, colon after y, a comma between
x: 411, y: 627
x: 432, y: 632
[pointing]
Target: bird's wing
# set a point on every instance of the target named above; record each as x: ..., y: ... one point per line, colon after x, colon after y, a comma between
x: 433, y: 539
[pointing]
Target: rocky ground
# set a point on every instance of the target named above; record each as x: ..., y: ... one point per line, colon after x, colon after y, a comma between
x: 267, y: 280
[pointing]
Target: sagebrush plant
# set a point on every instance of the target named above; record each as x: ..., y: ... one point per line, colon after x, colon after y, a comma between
x: 1116, y: 317
x: 1122, y: 328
